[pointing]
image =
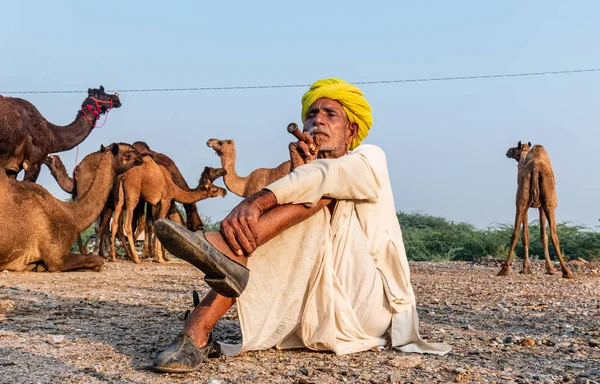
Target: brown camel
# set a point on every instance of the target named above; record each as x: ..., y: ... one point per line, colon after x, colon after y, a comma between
x: 26, y: 135
x: 153, y: 184
x: 245, y: 186
x: 194, y: 222
x: 38, y: 229
x: 143, y: 212
x: 536, y: 189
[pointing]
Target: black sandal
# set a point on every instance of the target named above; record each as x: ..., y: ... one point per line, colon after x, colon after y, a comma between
x: 226, y: 276
x: 183, y: 356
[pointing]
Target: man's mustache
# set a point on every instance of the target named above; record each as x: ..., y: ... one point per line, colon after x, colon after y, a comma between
x: 314, y: 130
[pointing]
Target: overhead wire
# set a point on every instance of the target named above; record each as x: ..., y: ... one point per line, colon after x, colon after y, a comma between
x: 275, y: 86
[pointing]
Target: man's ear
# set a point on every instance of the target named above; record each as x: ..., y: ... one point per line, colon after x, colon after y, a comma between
x: 352, y: 131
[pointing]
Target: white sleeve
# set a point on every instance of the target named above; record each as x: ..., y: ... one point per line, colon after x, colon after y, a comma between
x: 355, y: 176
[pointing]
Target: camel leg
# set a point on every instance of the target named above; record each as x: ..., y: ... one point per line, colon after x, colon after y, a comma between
x: 128, y: 228
x: 73, y: 261
x: 148, y: 252
x: 551, y: 216
x: 141, y: 215
x: 193, y: 220
x: 526, y: 264
x: 550, y: 270
x: 123, y: 236
x: 80, y: 244
x: 114, y: 227
x: 162, y: 213
x: 513, y: 241
x: 104, y: 221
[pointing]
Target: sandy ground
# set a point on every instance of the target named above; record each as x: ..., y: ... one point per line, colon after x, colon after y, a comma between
x: 86, y: 327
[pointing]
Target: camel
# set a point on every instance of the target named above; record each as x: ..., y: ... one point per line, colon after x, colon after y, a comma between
x: 37, y: 229
x: 535, y: 189
x: 26, y: 137
x: 245, y: 186
x: 153, y: 184
x: 193, y: 222
x: 139, y: 216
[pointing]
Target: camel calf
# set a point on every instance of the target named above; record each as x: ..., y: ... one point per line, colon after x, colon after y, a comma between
x: 535, y: 189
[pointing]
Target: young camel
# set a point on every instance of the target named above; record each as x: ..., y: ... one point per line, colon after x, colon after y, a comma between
x: 535, y: 189
x: 153, y: 184
x: 244, y: 186
x: 206, y: 179
x: 36, y: 228
x: 193, y: 222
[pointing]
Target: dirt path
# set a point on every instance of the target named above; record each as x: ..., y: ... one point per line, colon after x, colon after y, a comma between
x: 86, y: 327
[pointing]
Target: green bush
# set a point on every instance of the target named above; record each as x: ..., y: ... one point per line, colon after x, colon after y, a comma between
x: 429, y: 237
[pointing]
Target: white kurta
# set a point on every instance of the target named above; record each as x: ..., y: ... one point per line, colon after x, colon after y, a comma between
x: 339, y: 283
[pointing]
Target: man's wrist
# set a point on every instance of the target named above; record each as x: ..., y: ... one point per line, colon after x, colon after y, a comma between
x: 263, y: 200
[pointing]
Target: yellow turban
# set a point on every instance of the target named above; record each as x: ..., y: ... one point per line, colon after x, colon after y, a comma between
x: 355, y: 105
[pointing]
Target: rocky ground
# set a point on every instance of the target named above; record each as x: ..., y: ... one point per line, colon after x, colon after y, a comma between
x: 86, y: 327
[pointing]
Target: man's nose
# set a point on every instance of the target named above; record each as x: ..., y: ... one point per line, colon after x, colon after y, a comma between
x: 319, y: 118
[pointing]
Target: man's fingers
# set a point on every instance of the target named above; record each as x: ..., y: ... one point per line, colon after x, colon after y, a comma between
x: 229, y: 235
x: 310, y: 141
x: 242, y: 238
x: 249, y: 237
x: 304, y: 149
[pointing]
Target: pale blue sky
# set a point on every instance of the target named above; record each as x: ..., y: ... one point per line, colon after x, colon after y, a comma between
x: 445, y: 141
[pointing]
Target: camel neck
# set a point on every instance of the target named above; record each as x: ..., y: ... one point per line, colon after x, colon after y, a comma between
x: 234, y: 182
x: 88, y: 206
x: 59, y: 172
x: 69, y: 136
x: 523, y: 157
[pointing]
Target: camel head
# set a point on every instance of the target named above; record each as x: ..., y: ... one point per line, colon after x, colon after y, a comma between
x: 50, y: 160
x: 101, y: 100
x: 515, y: 152
x: 125, y: 155
x: 214, y: 191
x: 210, y: 174
x: 221, y: 147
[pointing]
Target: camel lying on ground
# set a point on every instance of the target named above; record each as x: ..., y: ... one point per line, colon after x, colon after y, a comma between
x: 26, y: 137
x: 245, y: 186
x: 152, y: 183
x: 36, y: 228
x: 535, y: 189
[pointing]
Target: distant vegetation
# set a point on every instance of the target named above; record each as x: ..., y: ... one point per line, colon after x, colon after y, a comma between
x: 429, y: 237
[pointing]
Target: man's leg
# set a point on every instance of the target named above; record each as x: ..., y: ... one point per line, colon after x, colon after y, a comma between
x: 213, y: 306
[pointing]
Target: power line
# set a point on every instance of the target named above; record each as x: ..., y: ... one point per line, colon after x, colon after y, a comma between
x: 418, y: 80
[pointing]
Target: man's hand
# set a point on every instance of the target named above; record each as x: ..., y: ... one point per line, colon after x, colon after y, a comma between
x: 239, y: 227
x: 303, y: 151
